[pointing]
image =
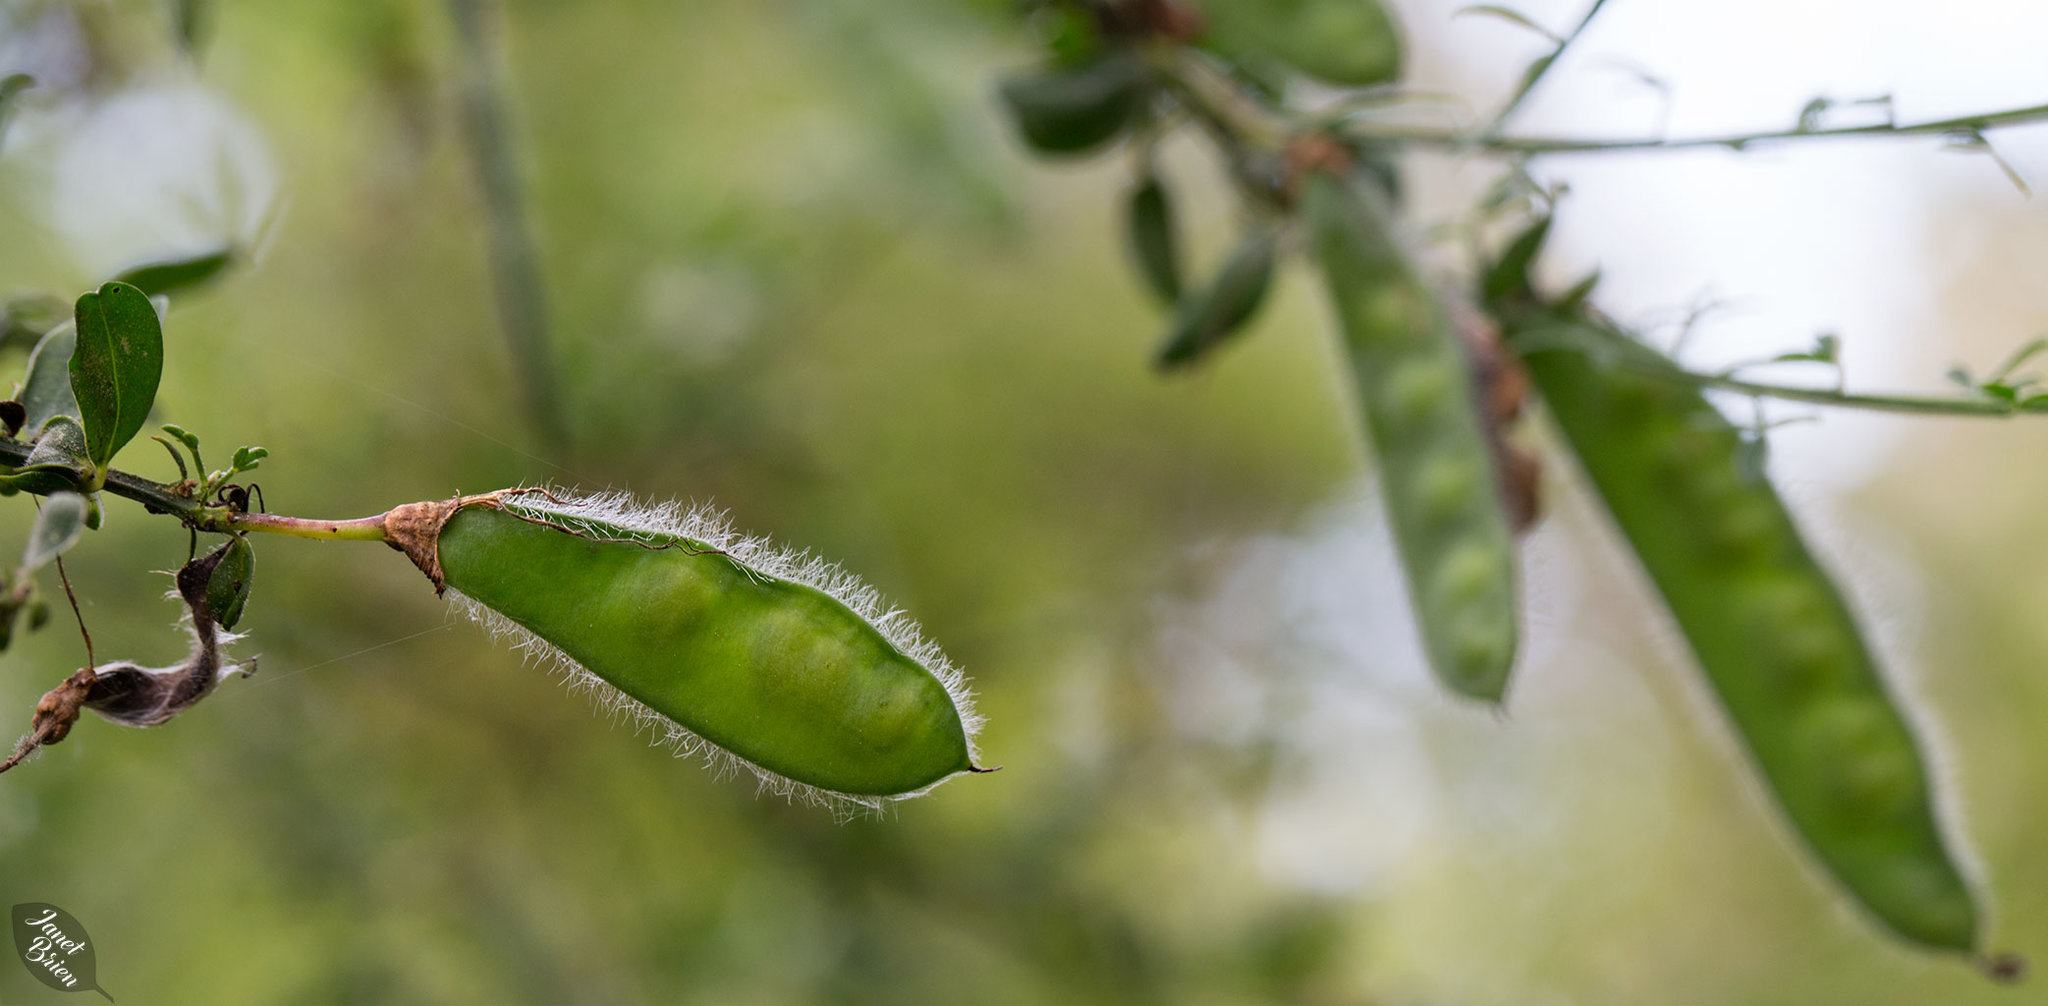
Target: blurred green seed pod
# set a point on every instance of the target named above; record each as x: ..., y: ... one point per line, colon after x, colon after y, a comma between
x: 1773, y: 636
x: 1076, y: 109
x: 725, y: 646
x: 1425, y: 429
x: 1349, y: 43
x: 1155, y: 237
x: 1226, y: 305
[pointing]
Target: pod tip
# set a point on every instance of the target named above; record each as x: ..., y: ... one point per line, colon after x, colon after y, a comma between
x: 980, y: 770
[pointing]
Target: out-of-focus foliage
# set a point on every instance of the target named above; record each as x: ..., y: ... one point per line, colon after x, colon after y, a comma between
x: 799, y: 266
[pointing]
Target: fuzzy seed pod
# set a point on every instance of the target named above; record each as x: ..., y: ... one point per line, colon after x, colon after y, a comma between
x: 725, y: 646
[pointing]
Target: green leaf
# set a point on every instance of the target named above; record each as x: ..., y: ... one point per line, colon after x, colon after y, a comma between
x: 227, y: 588
x: 1076, y: 109
x: 58, y: 462
x: 116, y: 367
x: 247, y: 458
x: 174, y: 275
x: 1155, y: 239
x: 58, y: 527
x: 46, y: 391
x: 1209, y: 318
x: 185, y: 436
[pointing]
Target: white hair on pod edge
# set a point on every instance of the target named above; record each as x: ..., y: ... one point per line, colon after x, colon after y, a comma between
x: 618, y: 515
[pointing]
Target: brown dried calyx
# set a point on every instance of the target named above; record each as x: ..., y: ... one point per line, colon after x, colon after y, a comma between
x: 415, y: 529
x: 133, y: 695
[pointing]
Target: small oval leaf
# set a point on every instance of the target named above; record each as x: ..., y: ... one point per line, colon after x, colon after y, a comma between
x: 115, y: 367
x: 1075, y: 109
x: 58, y: 526
x: 1210, y: 317
x: 1155, y: 237
x: 60, y: 449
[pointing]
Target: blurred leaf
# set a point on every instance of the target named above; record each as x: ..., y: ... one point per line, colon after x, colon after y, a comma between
x: 1070, y: 31
x: 1155, y: 238
x: 46, y: 391
x: 1827, y: 348
x: 2018, y: 359
x: 1810, y: 115
x: 116, y: 366
x: 188, y: 20
x: 1511, y: 16
x: 10, y: 86
x: 176, y: 275
x: 1074, y: 110
x: 1509, y: 276
x: 25, y: 320
x: 1575, y: 297
x: 58, y: 526
x: 1348, y: 43
x: 1209, y: 318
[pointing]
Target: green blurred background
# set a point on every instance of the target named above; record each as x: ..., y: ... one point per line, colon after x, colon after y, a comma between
x: 795, y: 266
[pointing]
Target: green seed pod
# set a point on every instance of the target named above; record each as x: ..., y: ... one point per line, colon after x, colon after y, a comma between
x: 1350, y: 43
x: 1424, y: 426
x: 751, y: 656
x: 1155, y: 239
x: 1230, y: 301
x: 227, y: 585
x: 1776, y: 641
x: 1075, y: 109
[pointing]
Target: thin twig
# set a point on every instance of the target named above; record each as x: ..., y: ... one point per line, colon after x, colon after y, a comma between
x: 65, y: 579
x: 1914, y: 404
x: 1537, y: 71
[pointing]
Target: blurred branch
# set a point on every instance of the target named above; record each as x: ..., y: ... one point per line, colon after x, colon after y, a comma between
x: 1632, y: 357
x: 515, y: 265
x: 1912, y: 404
x: 1960, y: 126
